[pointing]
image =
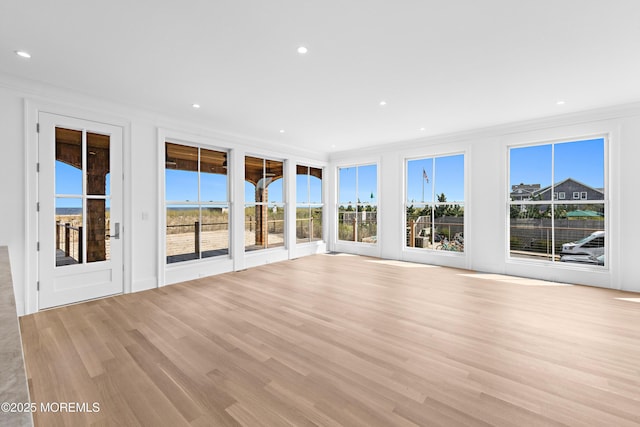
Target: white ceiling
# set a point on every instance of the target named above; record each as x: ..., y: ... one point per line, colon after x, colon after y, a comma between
x: 445, y: 66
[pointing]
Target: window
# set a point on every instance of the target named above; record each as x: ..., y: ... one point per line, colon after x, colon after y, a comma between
x: 264, y: 203
x: 82, y: 190
x: 308, y: 204
x: 358, y: 204
x: 561, y: 195
x: 197, y: 204
x: 546, y: 228
x: 434, y: 203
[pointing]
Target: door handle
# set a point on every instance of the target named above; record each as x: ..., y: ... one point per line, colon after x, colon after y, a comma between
x: 117, y: 228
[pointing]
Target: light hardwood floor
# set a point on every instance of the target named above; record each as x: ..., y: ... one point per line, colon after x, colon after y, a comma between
x: 342, y: 340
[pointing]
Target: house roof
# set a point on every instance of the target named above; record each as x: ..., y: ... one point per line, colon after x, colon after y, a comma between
x: 545, y: 189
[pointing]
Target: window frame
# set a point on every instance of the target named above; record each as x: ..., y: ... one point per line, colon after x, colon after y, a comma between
x: 199, y: 204
x: 434, y: 203
x: 338, y: 203
x: 605, y: 202
x: 283, y: 205
x: 309, y: 204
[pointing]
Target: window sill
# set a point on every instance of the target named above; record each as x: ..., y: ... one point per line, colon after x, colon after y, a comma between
x: 565, y: 266
x: 201, y: 261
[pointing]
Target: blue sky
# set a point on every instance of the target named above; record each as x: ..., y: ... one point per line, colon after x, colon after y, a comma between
x: 275, y: 191
x: 445, y: 174
x: 182, y: 185
x: 68, y: 182
x: 366, y: 181
x: 580, y: 160
x: 308, y: 189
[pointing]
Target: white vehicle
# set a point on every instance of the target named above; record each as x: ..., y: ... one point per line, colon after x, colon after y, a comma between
x: 593, y: 245
x: 583, y: 259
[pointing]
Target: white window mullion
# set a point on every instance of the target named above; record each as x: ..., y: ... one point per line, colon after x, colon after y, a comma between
x: 84, y: 198
x: 553, y: 207
x: 434, y: 198
x: 355, y: 224
x: 199, y: 231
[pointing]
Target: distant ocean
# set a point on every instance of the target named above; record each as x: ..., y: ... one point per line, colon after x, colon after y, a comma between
x: 70, y: 211
x: 193, y: 208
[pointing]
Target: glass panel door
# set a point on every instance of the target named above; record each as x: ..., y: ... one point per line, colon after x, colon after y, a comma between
x: 80, y: 216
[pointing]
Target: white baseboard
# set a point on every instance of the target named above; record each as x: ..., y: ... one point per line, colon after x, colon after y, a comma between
x: 144, y: 284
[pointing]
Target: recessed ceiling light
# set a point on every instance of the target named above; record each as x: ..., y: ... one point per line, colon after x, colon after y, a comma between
x: 302, y: 50
x: 560, y: 102
x: 421, y: 129
x: 383, y: 103
x: 23, y: 54
x: 196, y: 106
x: 281, y: 130
x: 333, y: 145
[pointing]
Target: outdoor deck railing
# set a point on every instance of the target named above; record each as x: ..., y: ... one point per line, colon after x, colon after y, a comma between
x: 355, y: 229
x: 443, y: 230
x: 197, y: 229
x: 539, y: 238
x: 69, y: 240
x: 308, y: 228
x: 274, y: 226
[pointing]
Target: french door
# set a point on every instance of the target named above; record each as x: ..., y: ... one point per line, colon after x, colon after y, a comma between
x: 80, y: 210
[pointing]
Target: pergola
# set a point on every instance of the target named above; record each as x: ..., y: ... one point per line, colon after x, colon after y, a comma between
x: 258, y: 171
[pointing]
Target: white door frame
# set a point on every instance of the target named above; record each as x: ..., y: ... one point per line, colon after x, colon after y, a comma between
x: 86, y: 279
x: 32, y: 109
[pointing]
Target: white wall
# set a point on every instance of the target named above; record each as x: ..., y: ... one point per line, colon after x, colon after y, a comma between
x: 486, y: 196
x: 12, y: 188
x: 625, y: 166
x: 144, y: 265
x: 485, y: 191
x: 144, y: 218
